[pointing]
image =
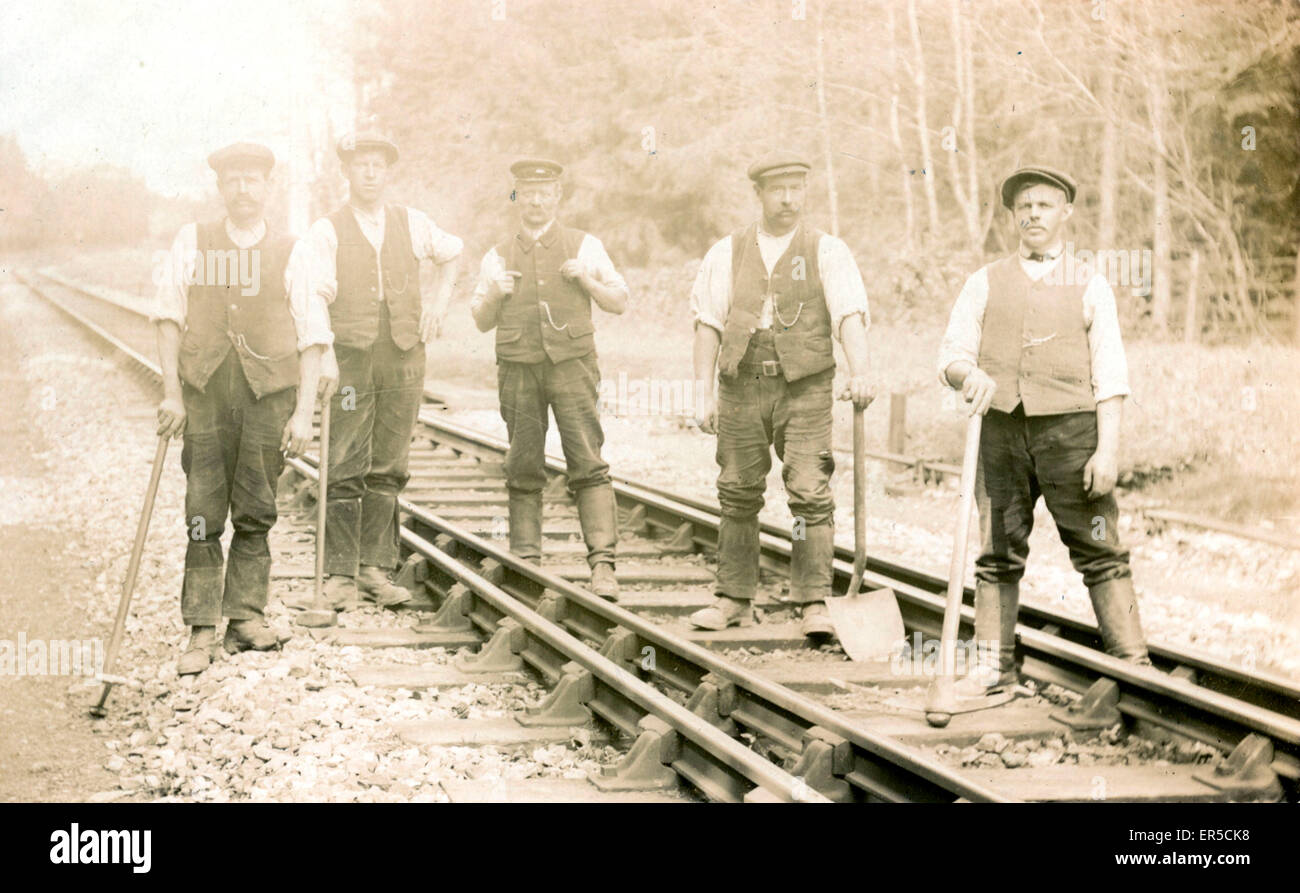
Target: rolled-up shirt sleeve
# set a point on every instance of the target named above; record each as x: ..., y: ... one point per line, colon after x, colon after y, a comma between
x: 961, y: 340
x: 711, y: 293
x: 490, y: 268
x: 841, y: 283
x: 311, y: 318
x: 321, y: 256
x: 1105, y: 344
x: 430, y: 242
x: 174, y: 275
x: 593, y: 254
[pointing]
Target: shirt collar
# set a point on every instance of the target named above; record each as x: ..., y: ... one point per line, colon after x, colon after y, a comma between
x: 530, y: 236
x: 1049, y: 255
x: 246, y: 238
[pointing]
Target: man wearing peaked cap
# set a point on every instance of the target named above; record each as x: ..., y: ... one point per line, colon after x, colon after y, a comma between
x: 367, y: 258
x: 767, y: 302
x: 1042, y: 359
x: 536, y: 289
x: 253, y: 154
x: 240, y: 344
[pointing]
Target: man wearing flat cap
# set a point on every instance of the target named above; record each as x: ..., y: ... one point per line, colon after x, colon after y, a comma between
x: 1042, y: 359
x: 367, y: 269
x: 536, y: 289
x: 768, y: 301
x: 240, y: 340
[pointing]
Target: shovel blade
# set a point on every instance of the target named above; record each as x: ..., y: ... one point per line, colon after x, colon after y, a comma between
x: 868, y: 624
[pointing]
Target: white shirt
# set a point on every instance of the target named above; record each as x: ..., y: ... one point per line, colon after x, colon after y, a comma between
x: 841, y: 281
x: 171, y: 302
x: 428, y: 242
x: 961, y: 341
x: 591, y: 253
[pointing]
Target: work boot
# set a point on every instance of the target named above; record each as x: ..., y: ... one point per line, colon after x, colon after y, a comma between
x: 598, y: 517
x: 724, y: 612
x: 197, y: 656
x: 252, y: 635
x: 996, y: 606
x: 603, y: 581
x: 525, y: 511
x: 1115, y: 604
x: 337, y: 591
x: 816, y: 620
x: 376, y: 587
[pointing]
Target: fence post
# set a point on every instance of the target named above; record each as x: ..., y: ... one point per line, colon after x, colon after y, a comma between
x: 897, y: 423
x: 1192, y: 319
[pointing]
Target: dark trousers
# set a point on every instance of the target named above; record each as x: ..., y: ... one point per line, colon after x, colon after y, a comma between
x: 569, y: 389
x: 232, y: 461
x: 757, y: 412
x: 1023, y: 457
x: 372, y: 418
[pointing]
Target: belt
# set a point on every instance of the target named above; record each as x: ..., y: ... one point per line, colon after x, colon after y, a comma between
x: 766, y: 367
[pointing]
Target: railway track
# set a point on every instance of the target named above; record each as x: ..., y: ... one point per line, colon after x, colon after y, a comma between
x: 753, y: 713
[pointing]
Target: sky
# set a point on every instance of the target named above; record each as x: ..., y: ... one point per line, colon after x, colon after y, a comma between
x: 155, y: 86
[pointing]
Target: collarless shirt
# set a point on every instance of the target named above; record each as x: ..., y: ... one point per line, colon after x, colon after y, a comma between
x: 842, y: 285
x: 961, y: 340
x: 428, y: 242
x: 179, y: 272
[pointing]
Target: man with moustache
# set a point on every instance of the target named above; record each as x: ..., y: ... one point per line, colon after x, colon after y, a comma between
x: 367, y: 258
x: 1043, y: 361
x: 536, y: 289
x: 240, y: 365
x: 767, y: 302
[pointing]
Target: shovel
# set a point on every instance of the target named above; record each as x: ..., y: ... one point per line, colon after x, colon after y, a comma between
x: 106, y: 675
x: 320, y: 614
x: 868, y: 624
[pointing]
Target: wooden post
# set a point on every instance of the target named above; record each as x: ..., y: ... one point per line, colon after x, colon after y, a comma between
x: 1192, y: 319
x: 897, y: 423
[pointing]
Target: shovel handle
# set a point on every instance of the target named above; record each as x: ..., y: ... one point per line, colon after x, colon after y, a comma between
x: 960, y: 538
x: 132, y: 572
x: 322, y: 481
x: 859, y: 500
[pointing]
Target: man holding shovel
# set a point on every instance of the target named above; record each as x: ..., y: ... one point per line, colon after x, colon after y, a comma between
x: 1041, y: 358
x: 366, y: 258
x: 536, y: 289
x: 767, y: 302
x: 240, y: 340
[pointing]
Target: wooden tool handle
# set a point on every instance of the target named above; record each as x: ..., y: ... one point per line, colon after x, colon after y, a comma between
x: 859, y: 499
x: 960, y: 538
x: 322, y: 479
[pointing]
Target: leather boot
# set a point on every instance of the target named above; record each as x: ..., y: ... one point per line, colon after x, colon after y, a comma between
x: 598, y: 515
x: 996, y: 607
x: 376, y: 587
x: 724, y: 612
x: 252, y: 635
x: 816, y: 620
x: 198, y: 654
x: 810, y: 564
x: 526, y: 525
x: 1115, y: 604
x: 603, y: 581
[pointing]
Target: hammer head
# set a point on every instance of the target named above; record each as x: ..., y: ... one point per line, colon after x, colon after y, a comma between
x: 317, y: 618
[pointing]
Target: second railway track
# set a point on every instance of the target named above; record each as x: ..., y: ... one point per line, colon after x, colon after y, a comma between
x: 754, y: 714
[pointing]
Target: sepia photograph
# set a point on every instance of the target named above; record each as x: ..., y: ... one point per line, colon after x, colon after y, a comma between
x: 629, y: 404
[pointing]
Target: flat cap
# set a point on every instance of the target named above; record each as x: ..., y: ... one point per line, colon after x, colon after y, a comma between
x: 253, y: 153
x: 1037, y: 173
x: 776, y: 163
x: 536, y: 170
x: 367, y: 140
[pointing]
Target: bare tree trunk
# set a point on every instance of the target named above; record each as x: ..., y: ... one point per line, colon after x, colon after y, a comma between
x: 826, y: 127
x: 1160, y: 182
x: 1108, y: 184
x: 963, y: 183
x: 922, y: 127
x: 895, y: 132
